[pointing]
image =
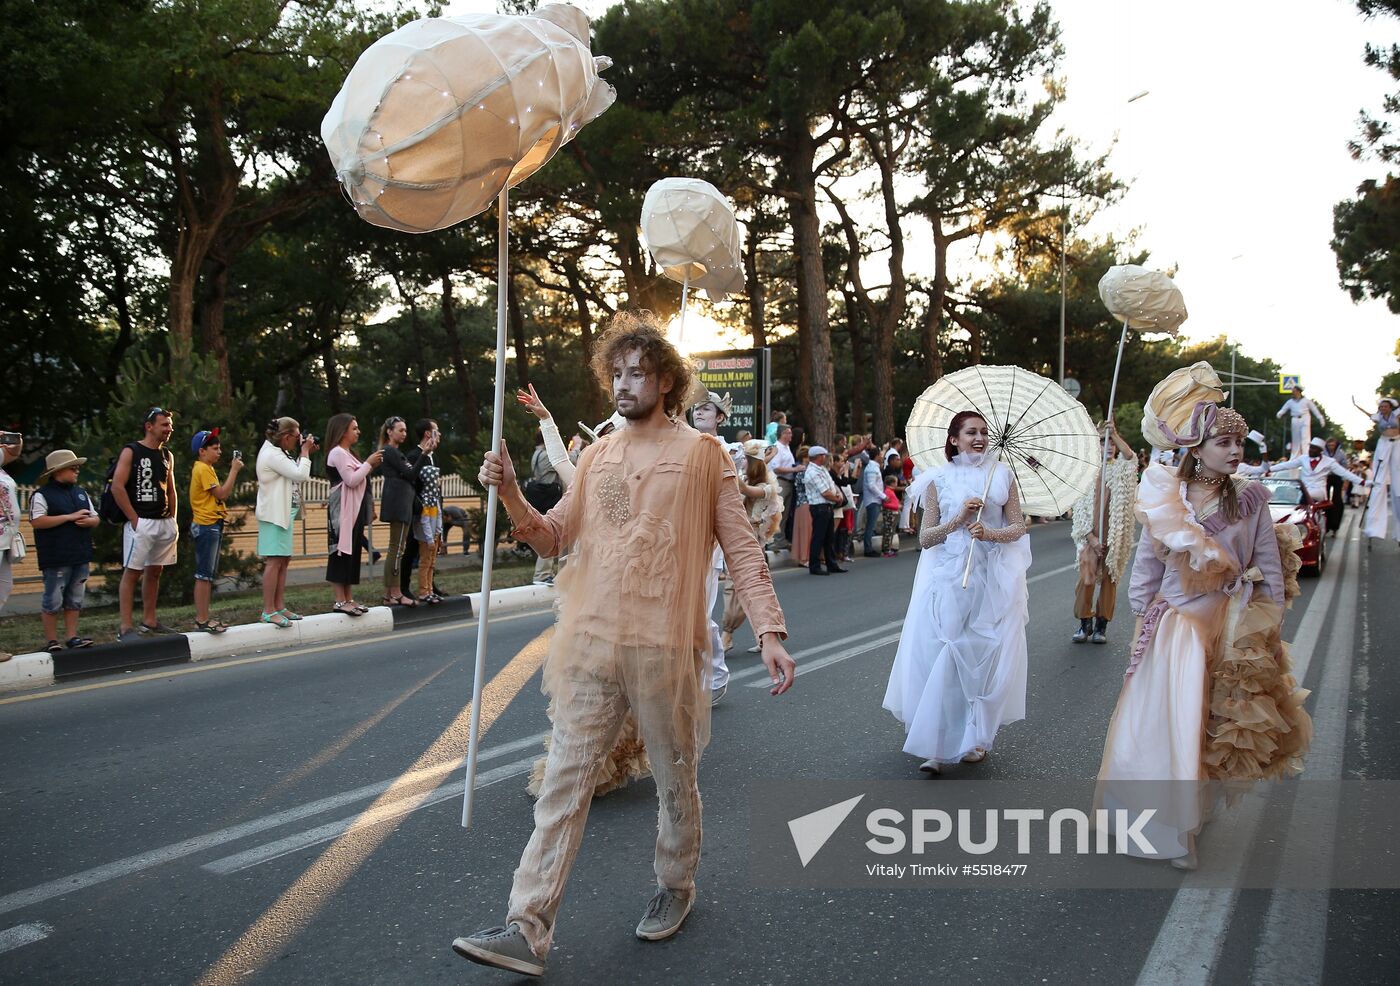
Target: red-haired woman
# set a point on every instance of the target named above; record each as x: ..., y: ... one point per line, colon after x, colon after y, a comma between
x: 960, y: 672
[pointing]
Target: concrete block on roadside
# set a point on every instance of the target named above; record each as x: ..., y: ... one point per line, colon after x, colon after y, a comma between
x: 249, y: 638
x: 26, y: 671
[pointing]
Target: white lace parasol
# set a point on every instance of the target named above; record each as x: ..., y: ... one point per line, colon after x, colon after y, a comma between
x: 1042, y: 433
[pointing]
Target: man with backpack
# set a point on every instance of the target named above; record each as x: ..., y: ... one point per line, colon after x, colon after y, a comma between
x: 143, y: 490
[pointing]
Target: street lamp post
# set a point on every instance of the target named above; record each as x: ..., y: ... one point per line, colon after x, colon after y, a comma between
x: 1064, y: 220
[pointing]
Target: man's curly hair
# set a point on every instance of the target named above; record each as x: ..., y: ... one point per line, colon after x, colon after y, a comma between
x: 640, y: 330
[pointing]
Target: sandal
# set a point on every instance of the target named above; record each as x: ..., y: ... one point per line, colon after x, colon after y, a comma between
x: 76, y: 642
x: 290, y: 615
x: 407, y: 602
x: 53, y: 647
x: 210, y: 626
x: 360, y: 610
x: 348, y: 608
x: 277, y: 620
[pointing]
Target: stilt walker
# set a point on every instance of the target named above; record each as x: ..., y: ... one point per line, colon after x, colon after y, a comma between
x: 1382, y: 518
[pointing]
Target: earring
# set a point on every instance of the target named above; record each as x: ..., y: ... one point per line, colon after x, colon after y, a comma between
x: 1196, y: 469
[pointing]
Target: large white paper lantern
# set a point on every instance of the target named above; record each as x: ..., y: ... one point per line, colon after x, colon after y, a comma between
x: 439, y: 116
x: 692, y: 234
x: 1148, y: 300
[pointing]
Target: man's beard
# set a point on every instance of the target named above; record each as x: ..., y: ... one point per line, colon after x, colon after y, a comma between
x: 640, y: 407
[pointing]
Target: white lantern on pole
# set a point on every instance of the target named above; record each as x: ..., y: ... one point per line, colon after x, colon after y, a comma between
x: 691, y: 232
x: 1145, y: 300
x: 436, y: 121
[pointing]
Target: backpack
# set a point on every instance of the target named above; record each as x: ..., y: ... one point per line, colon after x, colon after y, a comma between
x: 107, y: 507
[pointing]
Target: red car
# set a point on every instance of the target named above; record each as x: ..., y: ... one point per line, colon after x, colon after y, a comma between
x: 1290, y: 504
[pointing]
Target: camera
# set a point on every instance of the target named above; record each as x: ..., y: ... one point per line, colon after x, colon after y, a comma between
x: 10, y: 438
x: 238, y: 455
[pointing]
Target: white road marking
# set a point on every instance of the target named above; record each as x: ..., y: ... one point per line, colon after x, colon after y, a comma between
x: 804, y: 667
x: 1293, y: 944
x: 24, y: 934
x: 188, y: 847
x: 333, y: 830
x: 1187, y: 948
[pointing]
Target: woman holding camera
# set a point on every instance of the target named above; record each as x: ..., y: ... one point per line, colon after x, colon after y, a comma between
x: 348, y: 510
x: 283, y: 464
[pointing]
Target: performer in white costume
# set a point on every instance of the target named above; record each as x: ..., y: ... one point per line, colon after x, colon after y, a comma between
x: 1208, y: 704
x: 706, y: 417
x: 1300, y: 411
x: 1314, y: 466
x: 1383, y: 505
x: 960, y: 671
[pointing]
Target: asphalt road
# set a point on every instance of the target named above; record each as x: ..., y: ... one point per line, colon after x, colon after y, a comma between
x: 191, y: 825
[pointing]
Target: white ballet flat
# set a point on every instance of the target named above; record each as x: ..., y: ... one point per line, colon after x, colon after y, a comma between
x: 976, y: 756
x: 931, y: 767
x: 1187, y: 862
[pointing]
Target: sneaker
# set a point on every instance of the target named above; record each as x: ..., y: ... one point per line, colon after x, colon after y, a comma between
x: 128, y: 635
x: 718, y: 693
x: 664, y: 915
x: 502, y: 948
x: 756, y: 649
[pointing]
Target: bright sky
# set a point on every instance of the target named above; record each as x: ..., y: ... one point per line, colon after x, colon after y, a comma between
x: 1236, y: 157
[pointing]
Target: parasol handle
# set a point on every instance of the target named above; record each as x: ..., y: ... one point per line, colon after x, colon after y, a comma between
x: 488, y: 540
x: 967, y: 568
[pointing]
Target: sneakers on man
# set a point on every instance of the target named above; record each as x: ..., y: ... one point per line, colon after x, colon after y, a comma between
x: 503, y: 948
x: 718, y: 693
x: 665, y: 913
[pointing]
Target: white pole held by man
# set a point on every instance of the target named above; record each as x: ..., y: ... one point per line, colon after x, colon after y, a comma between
x: 505, y: 93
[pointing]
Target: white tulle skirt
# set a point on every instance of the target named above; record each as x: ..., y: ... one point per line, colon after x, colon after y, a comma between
x: 960, y: 672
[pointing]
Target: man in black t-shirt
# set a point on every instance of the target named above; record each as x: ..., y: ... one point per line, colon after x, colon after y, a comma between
x: 143, y: 485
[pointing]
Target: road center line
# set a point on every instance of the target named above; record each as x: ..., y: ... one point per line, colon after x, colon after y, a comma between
x: 23, y: 934
x: 1187, y: 948
x: 1293, y: 943
x: 178, y: 850
x: 331, y: 830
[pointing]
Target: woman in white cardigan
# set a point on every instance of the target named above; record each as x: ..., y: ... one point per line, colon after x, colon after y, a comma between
x: 280, y: 470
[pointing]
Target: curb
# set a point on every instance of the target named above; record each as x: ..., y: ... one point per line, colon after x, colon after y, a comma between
x: 38, y: 670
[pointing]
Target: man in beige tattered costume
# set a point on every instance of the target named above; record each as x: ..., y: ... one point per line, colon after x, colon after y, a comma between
x: 641, y: 517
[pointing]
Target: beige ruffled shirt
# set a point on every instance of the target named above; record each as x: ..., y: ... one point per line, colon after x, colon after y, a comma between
x: 623, y: 527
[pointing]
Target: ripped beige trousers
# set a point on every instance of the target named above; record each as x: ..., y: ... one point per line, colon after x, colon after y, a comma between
x: 589, y: 712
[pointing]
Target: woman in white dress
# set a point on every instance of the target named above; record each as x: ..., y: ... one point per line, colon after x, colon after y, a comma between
x: 960, y: 671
